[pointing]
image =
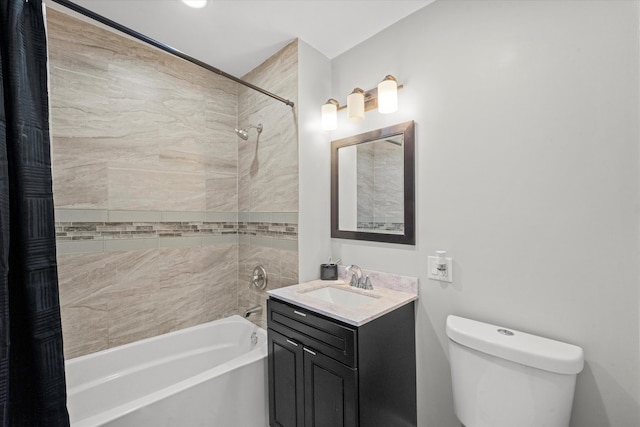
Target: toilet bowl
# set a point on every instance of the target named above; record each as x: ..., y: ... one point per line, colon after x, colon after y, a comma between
x: 506, y: 378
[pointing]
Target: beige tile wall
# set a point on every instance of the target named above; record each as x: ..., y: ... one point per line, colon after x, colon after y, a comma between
x: 138, y: 135
x: 135, y: 128
x: 143, y: 139
x: 114, y: 298
x: 268, y: 165
x: 268, y: 173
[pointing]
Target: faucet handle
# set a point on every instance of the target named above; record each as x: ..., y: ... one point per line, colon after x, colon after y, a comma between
x: 367, y: 284
x: 354, y: 280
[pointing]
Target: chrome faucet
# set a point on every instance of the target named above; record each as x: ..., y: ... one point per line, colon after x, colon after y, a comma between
x: 357, y: 279
x: 253, y: 310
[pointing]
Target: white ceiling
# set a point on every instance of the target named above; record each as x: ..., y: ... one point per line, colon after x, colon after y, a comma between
x: 237, y: 35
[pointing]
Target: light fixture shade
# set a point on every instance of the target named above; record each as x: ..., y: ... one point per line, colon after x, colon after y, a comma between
x: 355, y: 105
x: 196, y: 4
x: 388, y: 95
x: 330, y: 115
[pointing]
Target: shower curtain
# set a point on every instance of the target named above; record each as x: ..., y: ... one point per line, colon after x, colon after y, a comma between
x: 32, y: 381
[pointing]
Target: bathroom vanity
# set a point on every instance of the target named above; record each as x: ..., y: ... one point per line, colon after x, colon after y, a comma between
x: 340, y: 360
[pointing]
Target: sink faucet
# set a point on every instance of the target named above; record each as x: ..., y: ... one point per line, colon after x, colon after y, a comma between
x: 357, y: 279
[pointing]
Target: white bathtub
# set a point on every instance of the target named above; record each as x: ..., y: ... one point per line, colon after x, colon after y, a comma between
x: 208, y: 375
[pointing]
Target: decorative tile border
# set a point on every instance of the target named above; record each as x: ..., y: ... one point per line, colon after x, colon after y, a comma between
x: 86, y: 230
x: 274, y: 230
x: 73, y: 231
x: 135, y: 230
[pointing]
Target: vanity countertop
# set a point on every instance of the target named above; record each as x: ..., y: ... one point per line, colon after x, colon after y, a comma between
x: 384, y: 300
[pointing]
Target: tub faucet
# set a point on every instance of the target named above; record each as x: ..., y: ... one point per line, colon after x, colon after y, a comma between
x: 253, y: 310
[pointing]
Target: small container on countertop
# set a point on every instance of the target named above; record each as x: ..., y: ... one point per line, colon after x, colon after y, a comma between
x: 329, y: 271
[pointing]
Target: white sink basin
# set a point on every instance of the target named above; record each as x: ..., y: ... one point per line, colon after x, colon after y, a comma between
x: 343, y: 297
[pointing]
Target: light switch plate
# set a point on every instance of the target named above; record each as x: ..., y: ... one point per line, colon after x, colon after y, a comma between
x: 434, y: 274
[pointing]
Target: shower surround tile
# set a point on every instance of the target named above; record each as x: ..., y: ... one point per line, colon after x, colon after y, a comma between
x: 151, y: 177
x: 84, y: 186
x: 138, y: 294
x: 134, y: 189
x: 222, y: 193
x: 139, y: 122
x: 182, y: 154
x: 281, y: 267
x: 85, y: 329
x: 173, y: 303
x: 133, y: 316
x: 69, y: 152
x: 185, y: 266
x: 83, y: 277
x: 268, y: 176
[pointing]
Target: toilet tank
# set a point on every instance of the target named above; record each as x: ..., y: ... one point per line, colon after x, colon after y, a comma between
x: 506, y: 378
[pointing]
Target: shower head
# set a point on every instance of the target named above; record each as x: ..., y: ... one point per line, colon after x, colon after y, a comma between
x: 244, y: 133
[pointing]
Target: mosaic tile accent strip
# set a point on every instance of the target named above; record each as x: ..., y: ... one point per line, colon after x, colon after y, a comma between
x: 73, y: 231
x: 132, y: 230
x: 276, y: 230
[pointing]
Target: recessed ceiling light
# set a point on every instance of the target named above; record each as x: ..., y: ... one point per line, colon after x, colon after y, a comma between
x: 197, y: 4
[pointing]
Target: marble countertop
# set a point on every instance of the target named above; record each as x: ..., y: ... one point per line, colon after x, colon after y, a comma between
x: 386, y: 300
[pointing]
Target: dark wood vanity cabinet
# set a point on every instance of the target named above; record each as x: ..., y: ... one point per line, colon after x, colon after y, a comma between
x: 326, y: 373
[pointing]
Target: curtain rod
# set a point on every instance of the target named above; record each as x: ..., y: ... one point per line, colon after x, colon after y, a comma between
x: 108, y: 22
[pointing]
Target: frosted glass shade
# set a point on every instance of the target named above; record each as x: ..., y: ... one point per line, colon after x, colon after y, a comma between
x: 388, y: 95
x: 355, y: 105
x: 329, y: 116
x: 196, y: 4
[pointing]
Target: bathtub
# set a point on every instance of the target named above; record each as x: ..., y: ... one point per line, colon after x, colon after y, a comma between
x: 207, y: 375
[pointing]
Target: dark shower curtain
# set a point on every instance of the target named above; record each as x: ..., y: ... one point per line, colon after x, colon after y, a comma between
x: 32, y: 382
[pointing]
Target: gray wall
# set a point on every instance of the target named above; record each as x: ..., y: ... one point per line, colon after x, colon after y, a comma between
x: 314, y: 88
x: 527, y: 174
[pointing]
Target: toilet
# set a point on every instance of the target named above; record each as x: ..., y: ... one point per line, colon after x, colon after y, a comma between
x: 506, y: 378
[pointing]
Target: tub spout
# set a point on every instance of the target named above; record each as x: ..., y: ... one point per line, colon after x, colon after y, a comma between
x: 253, y: 310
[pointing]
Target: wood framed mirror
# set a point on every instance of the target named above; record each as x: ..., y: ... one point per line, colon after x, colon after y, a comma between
x: 373, y: 185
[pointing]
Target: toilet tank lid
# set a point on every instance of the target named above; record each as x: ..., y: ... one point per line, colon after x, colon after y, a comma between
x: 523, y: 348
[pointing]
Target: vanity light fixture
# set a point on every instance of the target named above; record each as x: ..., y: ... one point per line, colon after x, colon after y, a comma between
x: 388, y: 95
x: 196, y: 4
x: 330, y: 115
x: 329, y: 112
x: 355, y: 105
x: 384, y: 98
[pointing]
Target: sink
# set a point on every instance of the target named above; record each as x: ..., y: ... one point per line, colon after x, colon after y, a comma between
x: 343, y: 297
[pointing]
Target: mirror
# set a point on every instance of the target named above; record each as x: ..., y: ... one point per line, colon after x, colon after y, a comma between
x: 373, y: 187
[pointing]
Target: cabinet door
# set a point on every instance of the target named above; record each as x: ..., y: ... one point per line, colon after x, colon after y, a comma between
x: 330, y: 397
x: 286, y: 386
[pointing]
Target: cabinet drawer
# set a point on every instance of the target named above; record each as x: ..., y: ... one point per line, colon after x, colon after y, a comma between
x: 313, y: 330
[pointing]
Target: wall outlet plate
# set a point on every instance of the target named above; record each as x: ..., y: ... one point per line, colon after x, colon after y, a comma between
x: 435, y: 274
